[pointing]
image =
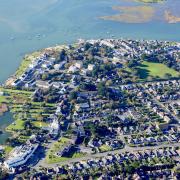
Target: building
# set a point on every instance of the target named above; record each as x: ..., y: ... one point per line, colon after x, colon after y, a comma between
x: 91, y: 67
x: 79, y: 64
x: 20, y: 155
x: 54, y: 127
x: 82, y: 107
x: 43, y: 84
x: 73, y: 69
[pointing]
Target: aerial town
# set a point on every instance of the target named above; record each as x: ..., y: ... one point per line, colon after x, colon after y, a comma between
x: 95, y: 109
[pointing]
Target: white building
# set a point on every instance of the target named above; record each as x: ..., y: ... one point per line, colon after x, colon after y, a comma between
x: 43, y: 84
x: 91, y: 67
x: 54, y: 127
x: 79, y: 64
x: 73, y: 69
x: 20, y: 155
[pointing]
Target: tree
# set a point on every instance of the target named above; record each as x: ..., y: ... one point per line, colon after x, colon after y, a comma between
x: 109, y: 83
x: 3, y: 175
x: 102, y: 89
x: 28, y: 125
x: 87, y: 46
x: 133, y: 63
x: 45, y: 77
x: 62, y: 55
x: 88, y: 86
x: 167, y: 76
x: 73, y: 95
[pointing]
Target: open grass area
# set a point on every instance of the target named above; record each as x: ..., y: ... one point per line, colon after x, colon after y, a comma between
x: 147, y: 69
x: 17, y: 125
x: 57, y: 146
x: 15, y: 91
x: 24, y: 65
x: 4, y: 99
x: 39, y: 124
x: 51, y: 156
x: 55, y: 159
x: 28, y: 59
x: 8, y: 149
x: 105, y: 148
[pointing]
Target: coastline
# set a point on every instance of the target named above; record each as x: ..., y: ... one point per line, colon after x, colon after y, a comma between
x: 3, y: 108
x: 28, y: 60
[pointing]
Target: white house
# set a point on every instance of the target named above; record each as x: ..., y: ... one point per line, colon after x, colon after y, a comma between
x: 54, y: 127
x: 73, y: 69
x: 91, y: 67
x: 79, y: 64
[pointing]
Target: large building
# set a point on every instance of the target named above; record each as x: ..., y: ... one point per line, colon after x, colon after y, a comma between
x: 20, y: 155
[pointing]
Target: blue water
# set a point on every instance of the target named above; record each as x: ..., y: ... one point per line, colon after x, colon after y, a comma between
x: 5, y: 120
x: 64, y: 21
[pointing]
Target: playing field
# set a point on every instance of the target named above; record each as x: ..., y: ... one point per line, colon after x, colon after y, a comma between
x: 147, y: 69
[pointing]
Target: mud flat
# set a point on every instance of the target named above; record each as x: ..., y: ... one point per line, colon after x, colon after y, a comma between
x: 137, y: 14
x: 170, y: 18
x: 3, y: 108
x: 150, y: 1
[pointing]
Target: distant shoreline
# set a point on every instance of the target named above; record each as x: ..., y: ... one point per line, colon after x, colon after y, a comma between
x: 150, y: 1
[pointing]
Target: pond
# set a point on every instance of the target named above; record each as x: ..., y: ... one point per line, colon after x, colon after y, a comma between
x: 5, y: 121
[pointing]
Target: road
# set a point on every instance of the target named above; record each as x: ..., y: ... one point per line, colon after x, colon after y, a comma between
x: 98, y: 155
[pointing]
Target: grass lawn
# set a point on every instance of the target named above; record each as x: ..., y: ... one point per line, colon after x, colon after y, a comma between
x: 147, y: 69
x: 40, y: 124
x: 57, y: 146
x: 15, y: 91
x: 24, y: 65
x: 104, y: 148
x: 8, y: 149
x: 26, y: 62
x: 56, y: 159
x: 3, y: 99
x: 50, y: 157
x: 17, y: 125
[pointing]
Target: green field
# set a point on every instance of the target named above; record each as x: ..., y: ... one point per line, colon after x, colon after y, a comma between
x: 57, y: 146
x: 105, y: 148
x: 39, y: 124
x: 3, y: 99
x: 17, y: 125
x: 147, y: 69
x: 8, y: 149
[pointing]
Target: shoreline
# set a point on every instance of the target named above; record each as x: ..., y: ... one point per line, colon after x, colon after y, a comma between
x: 32, y: 57
x: 3, y: 108
x: 27, y: 61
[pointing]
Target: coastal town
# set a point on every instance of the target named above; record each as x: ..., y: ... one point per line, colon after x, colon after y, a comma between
x: 94, y: 109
